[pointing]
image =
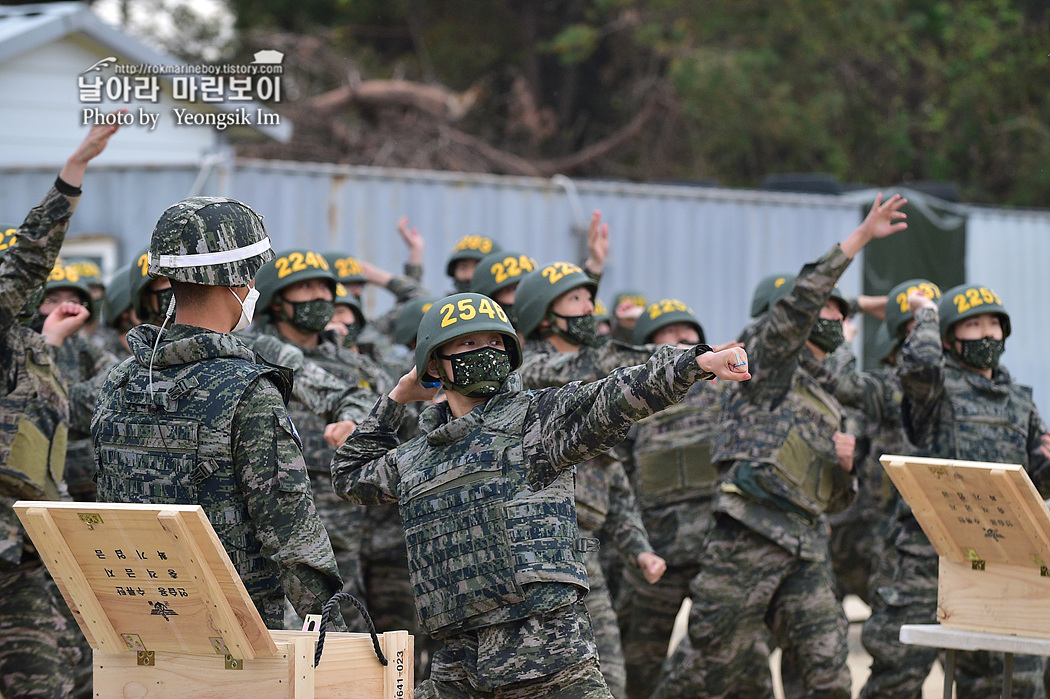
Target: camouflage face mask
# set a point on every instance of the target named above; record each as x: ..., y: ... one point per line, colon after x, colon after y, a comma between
x: 479, y: 372
x: 983, y: 353
x: 580, y: 330
x: 461, y: 286
x: 827, y: 334
x: 352, y: 333
x: 311, y: 316
x: 163, y: 297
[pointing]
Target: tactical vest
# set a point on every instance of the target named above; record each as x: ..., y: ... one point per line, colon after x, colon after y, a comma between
x: 34, y: 419
x: 988, y: 422
x: 794, y: 436
x: 672, y: 450
x: 180, y: 451
x: 479, y: 533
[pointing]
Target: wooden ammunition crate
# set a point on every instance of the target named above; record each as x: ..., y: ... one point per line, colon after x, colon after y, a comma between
x: 991, y: 530
x: 167, y: 615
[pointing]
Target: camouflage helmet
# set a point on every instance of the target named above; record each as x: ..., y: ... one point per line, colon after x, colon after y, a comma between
x: 661, y: 314
x: 968, y: 300
x: 118, y: 296
x: 209, y: 240
x: 65, y: 276
x: 458, y: 315
x: 538, y: 289
x: 897, y: 312
x: 345, y: 298
x: 346, y: 268
x: 408, y: 319
x: 767, y: 288
x: 290, y: 267
x: 470, y: 247
x: 500, y: 269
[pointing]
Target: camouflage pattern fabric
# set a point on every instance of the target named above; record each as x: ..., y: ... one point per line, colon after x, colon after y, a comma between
x: 38, y: 646
x: 79, y: 360
x: 676, y: 513
x: 728, y: 621
x: 200, y: 225
x: 768, y: 532
x: 607, y: 510
x: 345, y: 523
x: 379, y: 332
x: 558, y: 429
x: 220, y: 438
x: 543, y: 366
x: 950, y: 412
x: 580, y: 681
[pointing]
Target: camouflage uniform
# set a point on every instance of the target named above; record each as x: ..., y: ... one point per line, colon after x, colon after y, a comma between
x: 515, y: 624
x: 675, y: 482
x: 600, y: 483
x: 1003, y: 426
x: 858, y: 531
x: 80, y: 360
x: 221, y: 438
x: 38, y: 645
x: 768, y: 529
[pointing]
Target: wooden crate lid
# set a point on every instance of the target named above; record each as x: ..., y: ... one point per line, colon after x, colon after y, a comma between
x: 147, y: 578
x: 974, y: 511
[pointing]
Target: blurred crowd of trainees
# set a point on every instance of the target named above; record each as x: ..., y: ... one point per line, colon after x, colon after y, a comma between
x: 528, y: 482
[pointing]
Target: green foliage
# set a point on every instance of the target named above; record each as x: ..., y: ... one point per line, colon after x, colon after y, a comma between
x: 880, y: 92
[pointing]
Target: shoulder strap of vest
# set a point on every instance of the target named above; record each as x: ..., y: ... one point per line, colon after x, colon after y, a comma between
x: 282, y: 376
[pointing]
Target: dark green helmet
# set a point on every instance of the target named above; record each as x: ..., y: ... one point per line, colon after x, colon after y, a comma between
x: 884, y: 344
x: 601, y: 311
x: 897, y: 312
x: 88, y: 270
x: 345, y: 298
x: 118, y: 296
x: 209, y: 240
x: 65, y: 276
x: 408, y: 319
x: 538, y: 289
x: 138, y: 284
x: 290, y: 267
x: 768, y: 288
x: 635, y: 296
x: 968, y: 300
x: 8, y: 237
x: 346, y: 268
x: 661, y: 314
x: 500, y: 269
x: 458, y: 315
x: 470, y: 247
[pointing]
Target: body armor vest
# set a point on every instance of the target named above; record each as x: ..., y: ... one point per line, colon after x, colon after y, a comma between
x: 794, y: 436
x: 34, y: 417
x: 672, y: 450
x: 176, y: 448
x: 988, y: 422
x: 478, y: 532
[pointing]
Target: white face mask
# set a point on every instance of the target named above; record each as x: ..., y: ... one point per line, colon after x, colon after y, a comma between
x: 247, y: 308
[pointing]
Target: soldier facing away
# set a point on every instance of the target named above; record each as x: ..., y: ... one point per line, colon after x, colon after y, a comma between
x: 192, y: 418
x: 486, y: 495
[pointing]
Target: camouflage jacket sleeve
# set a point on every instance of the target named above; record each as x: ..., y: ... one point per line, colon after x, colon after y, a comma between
x: 29, y: 261
x: 854, y: 389
x: 364, y: 470
x: 82, y: 398
x: 774, y: 351
x: 1038, y: 464
x: 272, y: 474
x: 404, y: 288
x: 624, y: 522
x: 542, y: 367
x: 921, y: 371
x: 568, y: 425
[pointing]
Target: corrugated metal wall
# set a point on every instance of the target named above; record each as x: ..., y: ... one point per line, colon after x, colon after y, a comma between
x: 706, y: 246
